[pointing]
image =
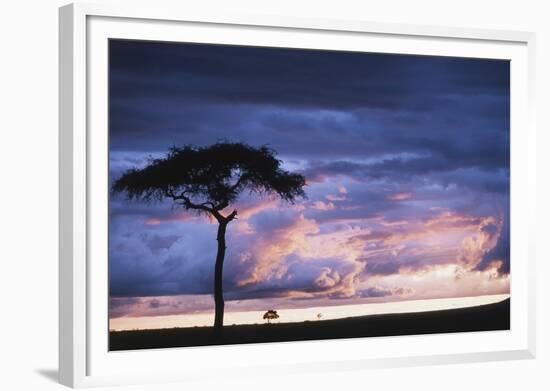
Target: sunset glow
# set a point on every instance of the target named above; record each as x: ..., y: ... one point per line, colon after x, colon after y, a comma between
x: 301, y: 314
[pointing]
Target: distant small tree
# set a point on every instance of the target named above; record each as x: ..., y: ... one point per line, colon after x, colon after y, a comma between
x: 207, y: 180
x: 270, y: 315
x: 319, y: 316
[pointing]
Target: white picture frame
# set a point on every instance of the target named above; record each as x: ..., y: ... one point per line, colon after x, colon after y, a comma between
x: 83, y: 359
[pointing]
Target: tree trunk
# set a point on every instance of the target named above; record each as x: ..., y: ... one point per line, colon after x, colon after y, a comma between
x: 218, y: 277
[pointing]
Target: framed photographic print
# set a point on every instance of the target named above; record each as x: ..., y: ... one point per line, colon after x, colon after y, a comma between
x: 256, y: 192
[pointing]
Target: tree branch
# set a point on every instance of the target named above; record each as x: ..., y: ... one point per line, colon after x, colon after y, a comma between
x: 232, y: 216
x: 186, y: 201
x: 213, y: 209
x: 221, y: 206
x: 223, y: 219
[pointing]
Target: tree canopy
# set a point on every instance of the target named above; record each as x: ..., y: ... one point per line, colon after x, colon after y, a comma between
x: 210, y: 178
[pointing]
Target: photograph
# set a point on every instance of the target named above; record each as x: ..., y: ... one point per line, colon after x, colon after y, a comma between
x: 276, y: 194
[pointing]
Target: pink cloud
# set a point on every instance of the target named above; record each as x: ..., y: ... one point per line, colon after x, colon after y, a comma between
x: 269, y: 251
x: 442, y: 281
x: 320, y: 205
x: 400, y: 196
x: 474, y: 247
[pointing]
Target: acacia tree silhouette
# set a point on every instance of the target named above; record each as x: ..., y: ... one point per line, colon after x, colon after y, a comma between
x: 207, y: 180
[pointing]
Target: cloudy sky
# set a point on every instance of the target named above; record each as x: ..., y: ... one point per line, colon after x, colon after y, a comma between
x: 406, y: 160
